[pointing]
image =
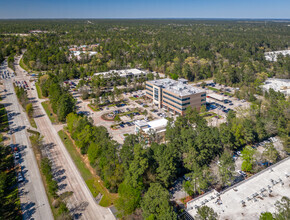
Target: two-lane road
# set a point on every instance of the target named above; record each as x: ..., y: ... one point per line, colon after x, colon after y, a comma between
x: 33, y: 198
x: 82, y: 203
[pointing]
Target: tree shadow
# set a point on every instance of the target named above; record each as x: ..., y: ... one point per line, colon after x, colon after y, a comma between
x: 39, y: 116
x: 28, y: 210
x: 7, y: 104
x: 62, y: 186
x: 78, y: 209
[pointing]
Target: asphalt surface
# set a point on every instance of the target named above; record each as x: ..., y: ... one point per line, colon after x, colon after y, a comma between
x: 34, y: 202
x: 81, y: 204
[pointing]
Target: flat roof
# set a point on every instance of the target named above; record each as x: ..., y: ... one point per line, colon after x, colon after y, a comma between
x: 272, y: 56
x: 249, y: 198
x: 155, y: 124
x: 158, y: 123
x: 141, y: 123
x: 176, y: 87
x: 123, y: 72
x: 282, y: 85
x: 216, y: 96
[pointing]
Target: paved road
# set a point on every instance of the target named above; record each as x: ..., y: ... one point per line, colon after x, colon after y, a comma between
x: 34, y: 202
x: 82, y: 205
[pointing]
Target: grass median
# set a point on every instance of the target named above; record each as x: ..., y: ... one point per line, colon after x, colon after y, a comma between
x: 23, y: 66
x: 48, y: 110
x: 93, y: 182
x: 3, y: 118
x: 39, y: 93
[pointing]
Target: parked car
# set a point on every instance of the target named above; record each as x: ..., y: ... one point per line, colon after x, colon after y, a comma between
x: 16, y: 155
x: 241, y: 173
x: 20, y: 177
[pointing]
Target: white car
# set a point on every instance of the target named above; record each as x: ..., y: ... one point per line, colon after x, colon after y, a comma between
x: 241, y: 173
x: 16, y: 155
x: 20, y: 177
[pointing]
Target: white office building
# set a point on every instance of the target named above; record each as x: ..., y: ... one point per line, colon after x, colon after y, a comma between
x: 133, y: 73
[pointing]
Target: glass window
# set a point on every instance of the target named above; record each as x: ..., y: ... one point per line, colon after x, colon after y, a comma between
x: 156, y: 94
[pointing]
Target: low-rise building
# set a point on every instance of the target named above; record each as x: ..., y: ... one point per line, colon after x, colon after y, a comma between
x: 156, y: 127
x: 272, y: 56
x: 133, y: 73
x: 249, y: 198
x: 175, y: 96
x: 281, y: 85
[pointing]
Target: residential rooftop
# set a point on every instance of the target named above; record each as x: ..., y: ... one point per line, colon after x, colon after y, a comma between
x: 176, y: 87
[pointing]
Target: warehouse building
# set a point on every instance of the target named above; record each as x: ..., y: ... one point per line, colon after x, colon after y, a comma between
x: 249, y: 198
x: 175, y: 96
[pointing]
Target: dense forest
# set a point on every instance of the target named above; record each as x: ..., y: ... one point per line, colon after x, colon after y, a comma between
x: 229, y: 51
x: 232, y: 51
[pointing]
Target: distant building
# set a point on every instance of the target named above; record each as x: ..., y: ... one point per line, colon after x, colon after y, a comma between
x: 175, y: 96
x: 156, y: 127
x: 95, y: 45
x: 127, y: 73
x: 272, y: 56
x: 281, y: 85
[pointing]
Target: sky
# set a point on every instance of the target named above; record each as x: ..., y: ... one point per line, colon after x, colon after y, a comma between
x: 272, y: 9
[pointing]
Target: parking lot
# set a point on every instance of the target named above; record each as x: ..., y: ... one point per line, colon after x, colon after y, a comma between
x: 217, y: 110
x: 223, y: 105
x: 129, y: 112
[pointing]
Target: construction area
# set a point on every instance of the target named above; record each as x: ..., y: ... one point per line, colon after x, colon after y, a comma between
x: 249, y: 198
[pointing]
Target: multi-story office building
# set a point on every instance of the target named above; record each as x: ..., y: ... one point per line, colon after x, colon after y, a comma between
x: 176, y: 96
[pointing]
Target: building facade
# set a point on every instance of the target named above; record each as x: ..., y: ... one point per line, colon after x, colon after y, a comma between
x: 175, y: 96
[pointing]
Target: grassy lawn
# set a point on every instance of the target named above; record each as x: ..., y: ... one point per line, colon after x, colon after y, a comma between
x: 228, y: 94
x: 23, y: 66
x: 48, y: 110
x: 133, y: 98
x: 214, y: 89
x: 111, y: 105
x: 3, y: 118
x: 95, y: 109
x: 32, y: 122
x: 91, y: 180
x: 39, y: 93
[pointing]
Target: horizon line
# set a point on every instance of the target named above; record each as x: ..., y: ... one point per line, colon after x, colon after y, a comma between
x: 153, y: 18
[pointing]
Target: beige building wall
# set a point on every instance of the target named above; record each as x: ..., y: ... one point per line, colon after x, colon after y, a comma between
x: 195, y: 100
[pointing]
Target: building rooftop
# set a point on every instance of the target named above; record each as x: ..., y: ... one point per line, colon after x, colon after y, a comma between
x: 176, y: 87
x: 248, y: 199
x: 155, y: 124
x: 282, y: 85
x: 122, y: 72
x: 272, y: 56
x: 216, y: 96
